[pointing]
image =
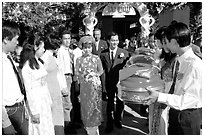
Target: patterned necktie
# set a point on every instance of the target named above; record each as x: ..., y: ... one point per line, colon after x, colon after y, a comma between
x: 41, y: 60
x: 21, y: 85
x: 171, y: 91
x: 71, y: 56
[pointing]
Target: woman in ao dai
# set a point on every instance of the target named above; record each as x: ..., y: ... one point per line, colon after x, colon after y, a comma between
x: 88, y: 70
x: 54, y: 85
x: 38, y: 96
x: 159, y: 114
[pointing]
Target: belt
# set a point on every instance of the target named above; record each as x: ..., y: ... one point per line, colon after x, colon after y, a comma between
x: 189, y: 109
x: 68, y: 74
x: 16, y: 104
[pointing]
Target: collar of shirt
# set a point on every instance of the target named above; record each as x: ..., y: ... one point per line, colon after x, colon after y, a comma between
x: 64, y: 47
x: 114, y: 51
x: 186, y: 54
x: 97, y: 42
x: 4, y: 56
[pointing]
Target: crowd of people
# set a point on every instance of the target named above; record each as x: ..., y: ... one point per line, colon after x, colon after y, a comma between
x: 58, y: 84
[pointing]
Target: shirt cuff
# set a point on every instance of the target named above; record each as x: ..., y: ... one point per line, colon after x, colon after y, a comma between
x: 6, y: 123
x: 162, y: 98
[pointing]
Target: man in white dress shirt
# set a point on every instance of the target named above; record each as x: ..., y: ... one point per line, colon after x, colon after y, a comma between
x: 185, y: 101
x: 65, y: 60
x: 76, y: 119
x: 13, y: 109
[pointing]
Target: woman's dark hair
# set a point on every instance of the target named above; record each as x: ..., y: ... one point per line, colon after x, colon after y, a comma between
x: 167, y: 56
x: 159, y: 34
x: 52, y: 42
x: 28, y: 52
x: 180, y: 32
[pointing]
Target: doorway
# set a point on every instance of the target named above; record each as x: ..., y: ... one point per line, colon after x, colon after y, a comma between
x: 122, y: 27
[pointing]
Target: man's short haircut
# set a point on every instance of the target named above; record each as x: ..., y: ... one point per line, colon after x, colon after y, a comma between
x: 10, y: 30
x: 159, y: 34
x: 111, y: 34
x: 97, y: 29
x: 65, y: 32
x: 52, y: 42
x: 180, y: 32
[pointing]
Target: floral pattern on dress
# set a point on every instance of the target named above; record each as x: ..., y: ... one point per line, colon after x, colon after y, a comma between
x: 90, y: 91
x: 167, y: 76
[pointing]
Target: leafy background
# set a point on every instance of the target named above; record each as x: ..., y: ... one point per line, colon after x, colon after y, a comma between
x: 45, y: 17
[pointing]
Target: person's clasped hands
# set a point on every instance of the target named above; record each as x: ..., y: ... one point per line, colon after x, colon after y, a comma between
x: 35, y: 119
x: 65, y: 92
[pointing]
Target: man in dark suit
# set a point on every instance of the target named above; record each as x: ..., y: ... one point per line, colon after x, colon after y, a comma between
x: 113, y: 59
x: 100, y: 44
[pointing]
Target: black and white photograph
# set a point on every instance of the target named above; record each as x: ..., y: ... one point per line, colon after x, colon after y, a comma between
x: 101, y: 67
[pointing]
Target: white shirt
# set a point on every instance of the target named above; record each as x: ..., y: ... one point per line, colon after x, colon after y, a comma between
x: 60, y: 75
x: 97, y: 43
x: 188, y: 87
x: 77, y: 53
x: 114, y: 52
x: 64, y: 60
x: 11, y: 90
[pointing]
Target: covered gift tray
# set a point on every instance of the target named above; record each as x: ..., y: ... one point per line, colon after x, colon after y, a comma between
x: 136, y: 96
x: 139, y: 73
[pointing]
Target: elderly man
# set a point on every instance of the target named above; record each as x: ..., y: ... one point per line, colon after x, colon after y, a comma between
x: 99, y: 43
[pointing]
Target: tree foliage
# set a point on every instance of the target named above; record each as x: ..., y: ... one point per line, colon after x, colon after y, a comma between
x: 195, y: 14
x: 43, y: 15
x: 52, y: 16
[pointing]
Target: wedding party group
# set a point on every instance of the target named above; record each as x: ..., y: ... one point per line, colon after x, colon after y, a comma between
x: 52, y: 85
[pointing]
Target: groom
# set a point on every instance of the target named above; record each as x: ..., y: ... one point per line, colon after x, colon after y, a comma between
x: 113, y: 59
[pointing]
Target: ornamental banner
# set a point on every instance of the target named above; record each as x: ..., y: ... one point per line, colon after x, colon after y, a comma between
x: 116, y: 9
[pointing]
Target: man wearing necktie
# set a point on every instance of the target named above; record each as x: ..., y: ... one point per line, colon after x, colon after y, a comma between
x: 13, y: 108
x: 100, y: 44
x: 113, y: 59
x: 185, y: 100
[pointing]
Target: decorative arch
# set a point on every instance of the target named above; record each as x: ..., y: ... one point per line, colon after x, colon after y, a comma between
x: 146, y: 20
x: 127, y: 8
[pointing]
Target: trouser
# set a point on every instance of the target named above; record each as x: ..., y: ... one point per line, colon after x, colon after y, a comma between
x: 59, y: 130
x: 75, y: 112
x: 17, y: 117
x: 185, y: 122
x: 92, y: 130
x: 112, y: 110
x: 67, y: 105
